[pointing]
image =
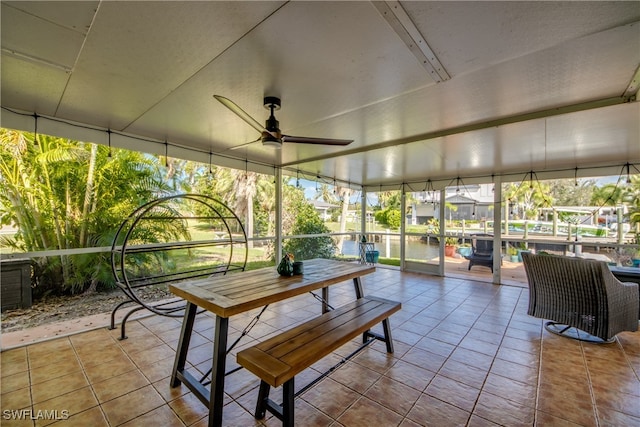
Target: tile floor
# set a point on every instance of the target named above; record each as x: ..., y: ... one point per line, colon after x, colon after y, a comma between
x: 466, y: 353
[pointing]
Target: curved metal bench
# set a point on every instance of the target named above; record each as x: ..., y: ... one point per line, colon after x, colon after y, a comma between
x: 172, y: 239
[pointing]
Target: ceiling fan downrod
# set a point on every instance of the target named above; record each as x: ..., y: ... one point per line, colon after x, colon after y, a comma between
x: 273, y: 137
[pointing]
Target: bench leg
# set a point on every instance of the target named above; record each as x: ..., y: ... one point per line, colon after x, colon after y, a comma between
x: 263, y: 395
x: 288, y: 403
x: 387, y: 335
x: 284, y: 412
x: 357, y: 285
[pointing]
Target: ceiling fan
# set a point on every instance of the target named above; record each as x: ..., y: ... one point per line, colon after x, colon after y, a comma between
x: 270, y: 132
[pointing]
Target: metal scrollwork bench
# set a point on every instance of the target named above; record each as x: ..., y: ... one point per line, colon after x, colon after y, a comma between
x: 171, y: 239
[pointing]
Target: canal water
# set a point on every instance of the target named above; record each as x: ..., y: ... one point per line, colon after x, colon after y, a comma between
x: 415, y: 249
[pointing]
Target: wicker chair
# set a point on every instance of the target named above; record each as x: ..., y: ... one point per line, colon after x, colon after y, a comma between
x: 582, y: 294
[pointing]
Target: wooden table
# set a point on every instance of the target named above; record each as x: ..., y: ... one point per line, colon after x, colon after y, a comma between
x: 237, y: 293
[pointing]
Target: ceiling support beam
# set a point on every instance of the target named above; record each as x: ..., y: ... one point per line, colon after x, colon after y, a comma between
x: 402, y: 24
x: 631, y: 93
x: 601, y: 103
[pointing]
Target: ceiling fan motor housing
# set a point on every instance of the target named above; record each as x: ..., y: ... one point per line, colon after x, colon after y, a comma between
x: 272, y: 102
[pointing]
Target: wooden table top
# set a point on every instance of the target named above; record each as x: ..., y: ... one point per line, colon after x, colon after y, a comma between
x: 236, y: 293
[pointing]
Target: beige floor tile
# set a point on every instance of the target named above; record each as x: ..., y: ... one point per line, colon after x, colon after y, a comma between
x: 109, y: 369
x: 93, y: 417
x: 505, y: 370
x: 453, y: 392
x: 355, y: 377
x: 52, y: 358
x: 578, y: 411
x: 54, y: 370
x: 22, y: 419
x: 503, y: 411
x: 424, y: 359
x: 132, y: 405
x: 609, y: 417
x: 168, y: 393
x: 152, y: 355
x: 507, y: 388
x: 188, y: 408
x: 331, y: 397
x: 433, y: 412
x: 464, y: 373
x: 162, y: 416
x: 393, y: 395
x: 102, y: 354
x: 67, y: 405
x: 410, y: 375
x: 13, y: 362
x: 159, y: 369
x: 379, y: 361
x: 515, y: 371
x: 58, y: 386
x: 366, y: 413
x: 121, y: 385
x: 15, y: 382
x: 17, y: 399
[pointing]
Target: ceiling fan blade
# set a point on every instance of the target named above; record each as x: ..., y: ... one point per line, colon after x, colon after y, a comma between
x: 240, y: 113
x: 319, y: 141
x: 243, y: 145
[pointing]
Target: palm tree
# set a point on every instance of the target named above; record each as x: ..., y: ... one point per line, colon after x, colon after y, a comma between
x: 62, y: 194
x: 607, y: 195
x: 344, y: 193
x: 530, y: 196
x: 631, y: 195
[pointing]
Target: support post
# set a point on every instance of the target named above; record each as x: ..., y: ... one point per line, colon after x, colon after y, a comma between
x: 403, y: 225
x: 278, y: 242
x: 497, y: 234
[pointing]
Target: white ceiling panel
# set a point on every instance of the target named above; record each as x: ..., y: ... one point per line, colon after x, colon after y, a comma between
x: 538, y: 86
x: 554, y: 143
x: 25, y: 83
x: 56, y: 41
x: 73, y: 15
x: 469, y: 35
x: 128, y: 71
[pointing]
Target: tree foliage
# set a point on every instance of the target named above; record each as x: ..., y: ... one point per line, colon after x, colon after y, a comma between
x: 631, y: 196
x: 389, y: 217
x: 529, y: 197
x: 61, y: 194
x: 566, y: 192
x: 307, y: 221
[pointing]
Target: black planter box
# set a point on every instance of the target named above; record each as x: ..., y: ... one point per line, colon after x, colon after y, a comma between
x: 15, y: 283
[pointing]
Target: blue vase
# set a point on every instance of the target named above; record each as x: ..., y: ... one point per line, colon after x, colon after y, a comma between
x: 464, y: 251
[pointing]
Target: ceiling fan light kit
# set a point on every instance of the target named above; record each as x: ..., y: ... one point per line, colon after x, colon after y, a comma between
x: 271, y: 135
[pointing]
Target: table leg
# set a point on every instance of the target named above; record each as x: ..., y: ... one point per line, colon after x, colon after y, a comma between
x: 357, y: 284
x: 183, y: 343
x: 216, y: 400
x: 325, y: 299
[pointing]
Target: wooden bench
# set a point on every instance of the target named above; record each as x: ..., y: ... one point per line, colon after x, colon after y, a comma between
x: 279, y: 359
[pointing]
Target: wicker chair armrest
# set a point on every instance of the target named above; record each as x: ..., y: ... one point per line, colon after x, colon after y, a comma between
x: 621, y: 296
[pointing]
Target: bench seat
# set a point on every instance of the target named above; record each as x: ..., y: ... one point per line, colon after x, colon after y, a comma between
x: 279, y: 359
